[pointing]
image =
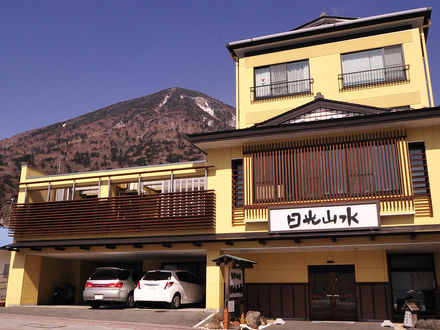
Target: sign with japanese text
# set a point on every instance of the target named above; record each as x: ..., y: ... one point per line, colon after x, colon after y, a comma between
x: 236, y: 283
x: 323, y: 218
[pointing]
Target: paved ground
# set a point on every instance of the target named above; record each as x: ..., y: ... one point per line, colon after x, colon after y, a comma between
x: 185, y: 317
x: 28, y: 322
x: 83, y: 317
x: 308, y: 325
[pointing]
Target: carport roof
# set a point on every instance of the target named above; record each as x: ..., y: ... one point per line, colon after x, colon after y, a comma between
x: 227, y: 238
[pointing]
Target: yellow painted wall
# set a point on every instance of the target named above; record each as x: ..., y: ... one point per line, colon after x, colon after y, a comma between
x: 370, y: 266
x: 220, y: 180
x: 151, y: 264
x: 214, y: 280
x: 325, y: 65
x: 55, y: 272
x: 24, y: 277
x: 5, y: 259
x: 431, y: 136
x: 15, y: 281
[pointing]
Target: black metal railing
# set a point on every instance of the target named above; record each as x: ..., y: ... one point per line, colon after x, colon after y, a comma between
x: 280, y: 89
x: 388, y: 75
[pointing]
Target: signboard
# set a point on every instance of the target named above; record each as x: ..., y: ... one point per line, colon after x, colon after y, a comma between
x: 407, y: 320
x: 236, y: 283
x: 324, y: 218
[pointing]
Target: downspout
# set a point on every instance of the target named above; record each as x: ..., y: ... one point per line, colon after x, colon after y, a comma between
x: 237, y: 91
x: 426, y: 64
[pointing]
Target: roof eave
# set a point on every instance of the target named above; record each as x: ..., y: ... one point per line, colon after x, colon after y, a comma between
x: 372, y: 20
x: 263, y: 133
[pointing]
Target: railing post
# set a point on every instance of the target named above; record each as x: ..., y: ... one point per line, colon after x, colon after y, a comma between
x: 25, y: 194
x: 139, y: 185
x: 99, y: 188
x: 48, y: 193
x: 206, y: 179
x: 73, y: 190
x: 172, y: 181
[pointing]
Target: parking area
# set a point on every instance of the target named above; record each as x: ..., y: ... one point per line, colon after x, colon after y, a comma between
x: 81, y: 317
x: 184, y: 317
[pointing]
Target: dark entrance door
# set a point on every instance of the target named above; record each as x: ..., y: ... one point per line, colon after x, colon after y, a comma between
x: 332, y: 293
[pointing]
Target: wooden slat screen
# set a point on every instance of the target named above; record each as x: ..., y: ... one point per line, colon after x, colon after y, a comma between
x: 364, y: 166
x: 237, y: 192
x: 420, y: 179
x: 136, y: 213
x: 374, y: 301
x: 287, y: 300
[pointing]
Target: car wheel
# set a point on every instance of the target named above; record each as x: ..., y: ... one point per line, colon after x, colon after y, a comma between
x: 176, y: 302
x: 95, y: 304
x: 130, y: 301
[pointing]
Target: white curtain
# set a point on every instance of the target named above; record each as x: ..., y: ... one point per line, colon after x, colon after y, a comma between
x: 394, y: 64
x: 279, y: 79
x: 297, y: 73
x: 262, y: 82
x: 362, y: 63
x: 393, y: 56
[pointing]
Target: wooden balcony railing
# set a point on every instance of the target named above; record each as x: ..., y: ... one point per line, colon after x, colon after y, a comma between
x: 138, y: 213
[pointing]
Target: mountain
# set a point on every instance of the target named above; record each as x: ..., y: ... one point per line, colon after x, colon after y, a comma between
x: 142, y: 131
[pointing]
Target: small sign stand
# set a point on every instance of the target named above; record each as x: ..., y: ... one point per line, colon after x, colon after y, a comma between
x: 233, y: 273
x: 410, y: 317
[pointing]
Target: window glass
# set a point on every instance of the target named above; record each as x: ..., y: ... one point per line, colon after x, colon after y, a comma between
x: 282, y: 79
x: 393, y: 56
x: 376, y: 65
x: 123, y: 275
x: 413, y: 279
x: 405, y: 261
x: 194, y: 279
x: 105, y: 274
x: 157, y: 276
x: 182, y: 276
x: 262, y: 82
x: 6, y: 271
x: 298, y: 75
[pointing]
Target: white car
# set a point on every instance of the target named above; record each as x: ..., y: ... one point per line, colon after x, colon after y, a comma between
x: 175, y: 287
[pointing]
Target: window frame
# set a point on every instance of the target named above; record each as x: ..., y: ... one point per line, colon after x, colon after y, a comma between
x: 373, y: 82
x: 271, y: 94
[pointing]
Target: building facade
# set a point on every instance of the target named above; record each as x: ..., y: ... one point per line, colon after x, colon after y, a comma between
x: 329, y: 183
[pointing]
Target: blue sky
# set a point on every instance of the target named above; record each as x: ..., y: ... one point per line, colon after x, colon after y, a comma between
x: 61, y: 59
x: 4, y: 238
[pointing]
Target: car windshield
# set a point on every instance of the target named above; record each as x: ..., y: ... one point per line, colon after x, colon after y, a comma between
x: 105, y: 274
x: 157, y: 276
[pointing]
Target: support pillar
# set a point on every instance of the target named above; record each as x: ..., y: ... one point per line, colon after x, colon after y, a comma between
x: 24, y: 279
x: 214, y: 281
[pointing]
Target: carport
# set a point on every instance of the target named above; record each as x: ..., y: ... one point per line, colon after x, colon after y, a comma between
x: 56, y: 267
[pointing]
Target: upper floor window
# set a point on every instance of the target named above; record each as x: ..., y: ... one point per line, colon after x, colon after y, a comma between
x: 373, y: 66
x: 282, y: 79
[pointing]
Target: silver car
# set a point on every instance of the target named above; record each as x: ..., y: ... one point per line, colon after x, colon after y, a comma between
x: 109, y: 285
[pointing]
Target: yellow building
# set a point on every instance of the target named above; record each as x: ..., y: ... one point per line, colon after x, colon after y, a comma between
x: 329, y: 183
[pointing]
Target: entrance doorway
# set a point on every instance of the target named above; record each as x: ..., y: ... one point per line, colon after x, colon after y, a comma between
x: 332, y: 293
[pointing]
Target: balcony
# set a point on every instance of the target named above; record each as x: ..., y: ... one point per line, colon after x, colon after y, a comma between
x: 194, y: 210
x: 296, y: 88
x: 378, y: 77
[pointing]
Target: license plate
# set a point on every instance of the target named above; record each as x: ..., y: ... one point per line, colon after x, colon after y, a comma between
x: 99, y: 296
